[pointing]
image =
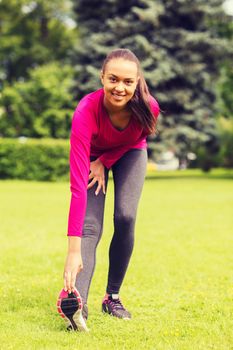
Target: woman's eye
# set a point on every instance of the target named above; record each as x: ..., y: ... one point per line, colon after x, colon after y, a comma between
x: 128, y: 82
x: 113, y: 80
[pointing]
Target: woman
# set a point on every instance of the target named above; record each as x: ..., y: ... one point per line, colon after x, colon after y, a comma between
x: 109, y: 130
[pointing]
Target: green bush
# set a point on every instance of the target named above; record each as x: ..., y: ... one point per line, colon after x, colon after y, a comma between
x: 205, y: 160
x: 34, y: 159
x: 41, y: 106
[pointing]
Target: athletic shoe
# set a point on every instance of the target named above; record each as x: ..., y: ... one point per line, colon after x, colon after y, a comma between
x: 113, y: 306
x: 69, y: 306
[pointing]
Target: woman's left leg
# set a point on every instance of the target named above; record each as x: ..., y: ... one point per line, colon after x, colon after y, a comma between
x: 128, y: 174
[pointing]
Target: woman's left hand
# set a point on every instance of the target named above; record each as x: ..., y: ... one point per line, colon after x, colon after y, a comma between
x: 97, y: 175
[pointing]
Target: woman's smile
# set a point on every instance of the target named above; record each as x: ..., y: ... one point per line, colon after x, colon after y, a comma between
x: 118, y: 97
x: 119, y: 79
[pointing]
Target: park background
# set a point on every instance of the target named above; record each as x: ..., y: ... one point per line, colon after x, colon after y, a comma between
x: 180, y: 284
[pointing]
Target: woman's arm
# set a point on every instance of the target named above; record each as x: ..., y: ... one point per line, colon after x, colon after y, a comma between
x: 73, y: 263
x: 83, y: 127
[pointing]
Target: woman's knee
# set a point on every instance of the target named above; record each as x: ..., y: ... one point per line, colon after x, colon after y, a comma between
x: 124, y: 222
x: 92, y: 229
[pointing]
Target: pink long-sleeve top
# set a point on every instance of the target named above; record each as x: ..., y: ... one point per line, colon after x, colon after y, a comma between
x: 93, y: 134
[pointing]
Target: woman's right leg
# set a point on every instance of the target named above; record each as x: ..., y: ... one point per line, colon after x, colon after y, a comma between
x: 92, y: 231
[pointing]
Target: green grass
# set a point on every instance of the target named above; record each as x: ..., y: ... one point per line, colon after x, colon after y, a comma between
x: 179, y: 286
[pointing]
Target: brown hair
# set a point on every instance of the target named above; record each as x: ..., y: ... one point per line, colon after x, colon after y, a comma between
x: 140, y: 102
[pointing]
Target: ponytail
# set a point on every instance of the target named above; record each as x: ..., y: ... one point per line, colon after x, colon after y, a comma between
x: 140, y: 106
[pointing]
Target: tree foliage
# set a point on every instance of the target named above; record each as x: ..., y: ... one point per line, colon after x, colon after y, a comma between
x: 31, y: 34
x: 183, y: 47
x: 42, y: 106
x: 225, y: 86
x: 180, y: 50
x: 35, y: 74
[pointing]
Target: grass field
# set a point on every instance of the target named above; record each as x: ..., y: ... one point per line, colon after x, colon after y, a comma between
x: 179, y: 286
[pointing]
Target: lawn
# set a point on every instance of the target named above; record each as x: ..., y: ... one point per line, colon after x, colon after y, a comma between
x: 179, y: 286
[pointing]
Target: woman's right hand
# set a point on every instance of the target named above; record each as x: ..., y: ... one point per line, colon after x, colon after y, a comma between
x: 73, y: 266
x: 97, y: 175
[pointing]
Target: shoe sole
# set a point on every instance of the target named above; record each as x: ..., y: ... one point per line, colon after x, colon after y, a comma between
x: 69, y: 306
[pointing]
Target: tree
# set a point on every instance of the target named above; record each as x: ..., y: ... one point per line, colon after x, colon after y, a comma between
x: 42, y: 106
x: 180, y: 50
x: 225, y: 86
x: 31, y: 34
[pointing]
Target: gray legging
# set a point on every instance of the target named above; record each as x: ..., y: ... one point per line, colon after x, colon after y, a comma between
x: 128, y: 175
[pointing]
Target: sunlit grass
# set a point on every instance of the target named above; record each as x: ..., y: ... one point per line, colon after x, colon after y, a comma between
x: 179, y: 286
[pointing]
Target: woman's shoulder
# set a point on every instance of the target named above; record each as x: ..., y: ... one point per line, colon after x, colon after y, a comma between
x: 90, y: 100
x: 86, y: 112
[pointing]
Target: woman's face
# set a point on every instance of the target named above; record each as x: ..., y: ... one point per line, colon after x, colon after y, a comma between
x: 119, y: 80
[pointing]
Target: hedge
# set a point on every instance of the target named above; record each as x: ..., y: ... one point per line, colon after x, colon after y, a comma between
x: 34, y: 159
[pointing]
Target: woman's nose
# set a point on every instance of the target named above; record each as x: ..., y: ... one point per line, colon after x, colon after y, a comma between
x: 120, y: 86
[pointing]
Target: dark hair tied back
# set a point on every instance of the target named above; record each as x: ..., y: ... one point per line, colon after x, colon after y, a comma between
x: 140, y: 102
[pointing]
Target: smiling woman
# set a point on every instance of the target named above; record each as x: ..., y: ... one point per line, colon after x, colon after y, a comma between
x: 123, y: 80
x: 109, y: 130
x: 119, y: 78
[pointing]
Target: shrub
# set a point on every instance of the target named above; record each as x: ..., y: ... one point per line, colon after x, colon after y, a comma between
x: 34, y: 159
x: 41, y: 106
